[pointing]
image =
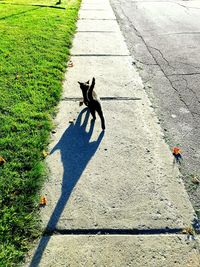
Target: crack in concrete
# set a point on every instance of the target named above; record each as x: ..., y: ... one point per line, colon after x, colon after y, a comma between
x: 188, y: 64
x: 196, y: 113
x: 158, y: 50
x: 182, y: 6
x: 144, y: 63
x: 187, y: 7
x: 184, y: 74
x: 177, y: 33
x: 148, y: 80
x: 187, y: 87
x: 191, y: 90
x: 180, y: 96
x: 194, y: 97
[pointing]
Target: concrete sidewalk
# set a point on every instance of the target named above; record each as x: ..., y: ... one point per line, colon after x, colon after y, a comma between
x: 117, y: 192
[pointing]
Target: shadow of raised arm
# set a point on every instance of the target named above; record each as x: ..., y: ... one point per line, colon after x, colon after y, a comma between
x: 76, y: 150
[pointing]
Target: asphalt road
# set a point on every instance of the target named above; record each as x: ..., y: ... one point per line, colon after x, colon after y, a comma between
x: 164, y: 39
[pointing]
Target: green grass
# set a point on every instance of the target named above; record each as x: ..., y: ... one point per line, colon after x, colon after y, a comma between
x: 34, y: 49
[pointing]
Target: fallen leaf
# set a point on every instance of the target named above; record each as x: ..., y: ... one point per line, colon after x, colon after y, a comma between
x: 45, y: 154
x: 188, y: 230
x: 2, y: 160
x: 43, y: 201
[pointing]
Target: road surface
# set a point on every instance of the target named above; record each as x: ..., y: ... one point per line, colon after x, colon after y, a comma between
x: 164, y: 38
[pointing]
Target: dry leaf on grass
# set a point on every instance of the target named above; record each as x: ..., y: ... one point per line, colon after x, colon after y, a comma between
x: 2, y: 160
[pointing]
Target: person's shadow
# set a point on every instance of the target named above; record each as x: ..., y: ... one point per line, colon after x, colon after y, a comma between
x: 76, y: 151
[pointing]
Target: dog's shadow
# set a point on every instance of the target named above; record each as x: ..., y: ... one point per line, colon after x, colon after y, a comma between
x: 76, y: 150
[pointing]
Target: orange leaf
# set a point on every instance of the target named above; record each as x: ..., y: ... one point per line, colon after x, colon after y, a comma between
x: 2, y: 160
x: 43, y: 201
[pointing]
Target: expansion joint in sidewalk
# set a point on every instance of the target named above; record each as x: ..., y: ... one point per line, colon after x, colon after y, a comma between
x: 98, y: 55
x: 107, y: 98
x: 168, y: 231
x: 96, y: 19
x: 93, y: 9
x: 95, y: 31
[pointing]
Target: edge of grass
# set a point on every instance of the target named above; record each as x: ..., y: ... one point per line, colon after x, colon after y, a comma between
x: 34, y: 52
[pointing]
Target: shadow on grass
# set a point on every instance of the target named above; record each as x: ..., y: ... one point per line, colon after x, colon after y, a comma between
x: 76, y: 151
x: 15, y: 4
x: 37, y: 6
x: 18, y: 14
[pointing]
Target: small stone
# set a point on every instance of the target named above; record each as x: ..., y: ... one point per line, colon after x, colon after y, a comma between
x: 195, y: 180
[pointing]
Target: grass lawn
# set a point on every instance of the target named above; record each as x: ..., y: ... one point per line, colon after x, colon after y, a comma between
x: 34, y: 48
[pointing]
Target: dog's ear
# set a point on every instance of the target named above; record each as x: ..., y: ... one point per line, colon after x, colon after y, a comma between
x: 88, y: 82
x: 79, y: 83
